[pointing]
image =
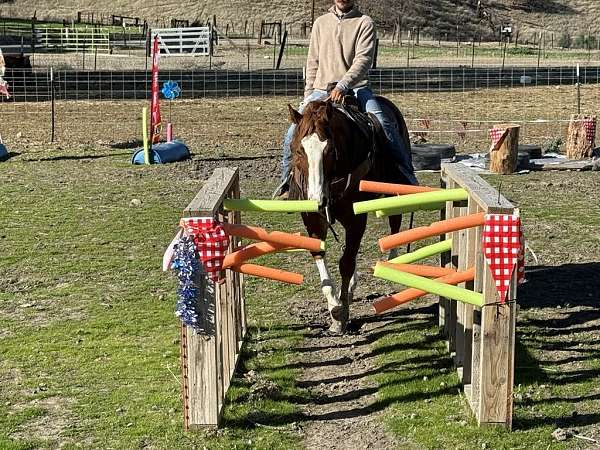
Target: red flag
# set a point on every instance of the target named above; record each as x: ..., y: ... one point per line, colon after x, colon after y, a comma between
x: 155, y: 120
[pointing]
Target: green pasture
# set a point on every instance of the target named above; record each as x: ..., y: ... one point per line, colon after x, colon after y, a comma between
x: 89, y: 350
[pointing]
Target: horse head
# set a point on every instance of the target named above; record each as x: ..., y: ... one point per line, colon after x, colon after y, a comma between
x: 313, y: 149
x: 325, y: 147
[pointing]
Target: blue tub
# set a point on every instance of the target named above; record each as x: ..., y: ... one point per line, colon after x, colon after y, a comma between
x: 164, y: 152
x: 3, y: 152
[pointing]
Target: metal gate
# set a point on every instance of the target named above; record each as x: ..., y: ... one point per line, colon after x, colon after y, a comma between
x: 183, y: 41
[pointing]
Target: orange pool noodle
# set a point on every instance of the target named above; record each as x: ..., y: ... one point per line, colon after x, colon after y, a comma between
x: 270, y: 273
x: 250, y: 251
x: 274, y: 237
x: 377, y: 187
x: 421, y: 270
x: 435, y: 229
x: 411, y: 294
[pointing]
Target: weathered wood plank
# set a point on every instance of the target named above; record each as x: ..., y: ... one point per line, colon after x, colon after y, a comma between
x: 209, y: 357
x: 202, y: 405
x: 489, y: 378
x: 482, y: 192
x: 469, y: 261
x: 209, y: 199
x: 451, y: 310
x: 460, y: 306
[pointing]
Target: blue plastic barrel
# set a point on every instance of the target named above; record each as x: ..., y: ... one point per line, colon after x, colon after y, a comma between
x: 3, y: 152
x: 164, y: 152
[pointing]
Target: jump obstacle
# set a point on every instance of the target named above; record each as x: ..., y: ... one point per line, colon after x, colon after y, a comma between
x: 479, y: 330
x: 209, y: 353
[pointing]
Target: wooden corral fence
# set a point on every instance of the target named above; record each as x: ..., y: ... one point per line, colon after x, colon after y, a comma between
x: 74, y: 39
x: 209, y: 358
x: 482, y: 340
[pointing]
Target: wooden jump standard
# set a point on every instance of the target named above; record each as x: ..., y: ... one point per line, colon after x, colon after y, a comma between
x: 209, y: 358
x: 481, y: 339
x: 480, y: 332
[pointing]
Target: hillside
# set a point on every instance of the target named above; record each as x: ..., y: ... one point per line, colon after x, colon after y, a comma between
x: 437, y: 18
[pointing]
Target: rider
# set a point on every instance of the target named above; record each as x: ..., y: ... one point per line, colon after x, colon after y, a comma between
x: 341, y: 49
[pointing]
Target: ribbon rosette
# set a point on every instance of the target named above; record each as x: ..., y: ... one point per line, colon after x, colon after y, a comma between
x: 171, y: 90
x: 211, y: 242
x: 503, y: 247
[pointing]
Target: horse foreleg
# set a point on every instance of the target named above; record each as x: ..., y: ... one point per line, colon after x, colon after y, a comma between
x: 395, y: 224
x: 355, y: 230
x: 328, y: 287
x: 317, y: 227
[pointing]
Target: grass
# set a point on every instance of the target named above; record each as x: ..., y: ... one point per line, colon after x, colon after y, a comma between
x: 557, y: 365
x: 89, y: 351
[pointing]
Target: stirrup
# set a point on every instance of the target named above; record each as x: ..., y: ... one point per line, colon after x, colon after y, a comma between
x: 282, y: 188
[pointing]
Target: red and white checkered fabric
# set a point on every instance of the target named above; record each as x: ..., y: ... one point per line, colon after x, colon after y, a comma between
x: 496, y: 135
x: 4, y: 89
x: 211, y: 242
x: 590, y: 130
x: 503, y: 249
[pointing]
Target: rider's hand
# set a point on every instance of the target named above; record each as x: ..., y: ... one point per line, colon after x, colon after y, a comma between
x: 336, y: 96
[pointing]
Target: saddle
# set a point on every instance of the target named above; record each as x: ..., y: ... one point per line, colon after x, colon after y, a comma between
x: 370, y: 127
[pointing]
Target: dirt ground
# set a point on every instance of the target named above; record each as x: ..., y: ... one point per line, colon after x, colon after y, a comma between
x: 254, y: 126
x: 559, y: 322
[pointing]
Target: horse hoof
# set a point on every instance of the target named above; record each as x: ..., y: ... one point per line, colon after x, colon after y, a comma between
x: 340, y: 313
x: 337, y: 328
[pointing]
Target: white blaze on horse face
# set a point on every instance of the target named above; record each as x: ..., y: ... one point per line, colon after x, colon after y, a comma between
x: 327, y: 285
x: 313, y: 147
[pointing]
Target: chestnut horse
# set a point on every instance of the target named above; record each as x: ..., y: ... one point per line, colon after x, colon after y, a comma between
x: 330, y: 155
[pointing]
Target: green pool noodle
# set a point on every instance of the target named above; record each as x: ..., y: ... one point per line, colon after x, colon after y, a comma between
x: 409, y: 209
x: 245, y: 204
x: 431, y: 286
x: 423, y: 252
x: 400, y: 201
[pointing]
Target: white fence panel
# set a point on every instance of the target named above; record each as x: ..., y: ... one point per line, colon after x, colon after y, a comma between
x: 183, y: 41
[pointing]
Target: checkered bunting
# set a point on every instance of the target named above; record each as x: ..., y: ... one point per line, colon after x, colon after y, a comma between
x: 590, y: 130
x: 495, y: 135
x: 4, y: 88
x: 211, y: 243
x: 503, y: 247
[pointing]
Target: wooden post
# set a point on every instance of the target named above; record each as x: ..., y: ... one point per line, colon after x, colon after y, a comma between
x: 209, y: 357
x: 490, y: 393
x: 578, y: 144
x: 503, y: 155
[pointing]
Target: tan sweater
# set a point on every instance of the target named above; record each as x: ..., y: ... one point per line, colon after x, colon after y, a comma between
x: 341, y: 50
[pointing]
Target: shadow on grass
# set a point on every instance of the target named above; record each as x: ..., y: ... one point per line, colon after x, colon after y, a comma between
x: 8, y: 156
x: 396, y: 322
x: 81, y: 157
x: 567, y: 296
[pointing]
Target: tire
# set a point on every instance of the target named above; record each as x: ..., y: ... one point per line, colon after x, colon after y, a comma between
x: 523, y: 159
x: 430, y: 156
x: 534, y: 151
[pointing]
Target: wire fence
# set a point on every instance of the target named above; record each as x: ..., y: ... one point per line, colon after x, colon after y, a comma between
x: 236, y: 125
x: 36, y: 85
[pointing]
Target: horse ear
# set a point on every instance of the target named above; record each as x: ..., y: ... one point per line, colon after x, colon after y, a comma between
x: 295, y: 116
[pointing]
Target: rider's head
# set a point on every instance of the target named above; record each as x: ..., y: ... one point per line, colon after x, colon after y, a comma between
x: 344, y: 6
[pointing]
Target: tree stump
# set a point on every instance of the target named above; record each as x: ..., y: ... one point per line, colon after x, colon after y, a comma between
x: 581, y: 136
x: 504, y: 149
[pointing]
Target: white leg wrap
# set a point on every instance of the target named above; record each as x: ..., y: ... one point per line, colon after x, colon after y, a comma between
x: 327, y: 285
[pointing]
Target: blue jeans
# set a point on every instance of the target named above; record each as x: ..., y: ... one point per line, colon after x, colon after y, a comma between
x: 367, y: 103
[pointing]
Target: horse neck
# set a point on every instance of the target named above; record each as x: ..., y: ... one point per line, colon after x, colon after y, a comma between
x: 351, y: 146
